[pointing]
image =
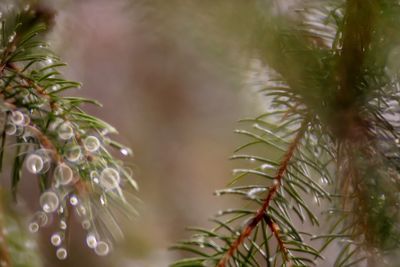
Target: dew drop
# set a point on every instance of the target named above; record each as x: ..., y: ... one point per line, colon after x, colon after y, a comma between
x: 63, y: 225
x: 254, y: 191
x: 33, y: 227
x: 91, y: 241
x: 94, y: 174
x: 103, y: 200
x: 11, y: 37
x: 91, y: 143
x: 56, y: 239
x: 60, y: 210
x: 49, y: 61
x: 65, y: 131
x: 49, y: 201
x: 73, y: 154
x: 61, y: 253
x: 34, y: 163
x: 102, y: 248
x: 86, y: 224
x: 81, y: 210
x: 125, y: 151
x: 18, y: 118
x: 324, y: 180
x: 109, y: 178
x: 267, y: 166
x: 40, y: 218
x: 316, y: 200
x: 11, y: 129
x: 73, y: 200
x: 63, y: 174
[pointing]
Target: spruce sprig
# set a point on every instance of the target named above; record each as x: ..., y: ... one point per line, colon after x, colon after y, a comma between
x: 332, y: 128
x: 68, y: 150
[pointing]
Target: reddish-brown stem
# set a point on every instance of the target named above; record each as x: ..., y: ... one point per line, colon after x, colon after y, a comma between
x: 260, y: 214
x: 275, y: 231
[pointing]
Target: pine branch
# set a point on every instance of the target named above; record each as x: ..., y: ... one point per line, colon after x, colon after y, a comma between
x: 261, y: 213
x: 332, y: 63
x: 67, y: 149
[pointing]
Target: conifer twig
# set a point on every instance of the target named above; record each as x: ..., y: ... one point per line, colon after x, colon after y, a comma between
x: 261, y: 213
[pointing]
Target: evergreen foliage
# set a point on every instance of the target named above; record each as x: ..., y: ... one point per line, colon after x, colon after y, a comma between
x: 333, y: 101
x: 66, y: 149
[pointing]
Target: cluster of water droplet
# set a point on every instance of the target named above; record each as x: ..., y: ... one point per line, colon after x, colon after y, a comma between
x: 65, y: 173
x: 16, y: 122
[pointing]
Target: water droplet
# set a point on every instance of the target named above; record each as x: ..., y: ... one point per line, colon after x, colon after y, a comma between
x: 17, y: 117
x: 73, y: 200
x: 63, y: 174
x: 40, y: 218
x: 49, y: 201
x: 34, y: 163
x: 109, y: 178
x: 324, y: 180
x: 86, y: 224
x: 61, y: 253
x: 125, y: 151
x: 63, y: 225
x: 94, y: 174
x: 91, y: 241
x: 60, y: 210
x: 103, y: 200
x: 253, y: 192
x: 11, y: 129
x: 91, y: 143
x: 102, y: 248
x: 200, y: 240
x: 65, y: 131
x: 73, y: 154
x: 81, y: 210
x: 267, y: 166
x: 56, y: 239
x: 252, y: 159
x: 11, y: 37
x: 33, y: 227
x: 49, y: 61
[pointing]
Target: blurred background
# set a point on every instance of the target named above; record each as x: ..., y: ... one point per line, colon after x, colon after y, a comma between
x: 172, y: 85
